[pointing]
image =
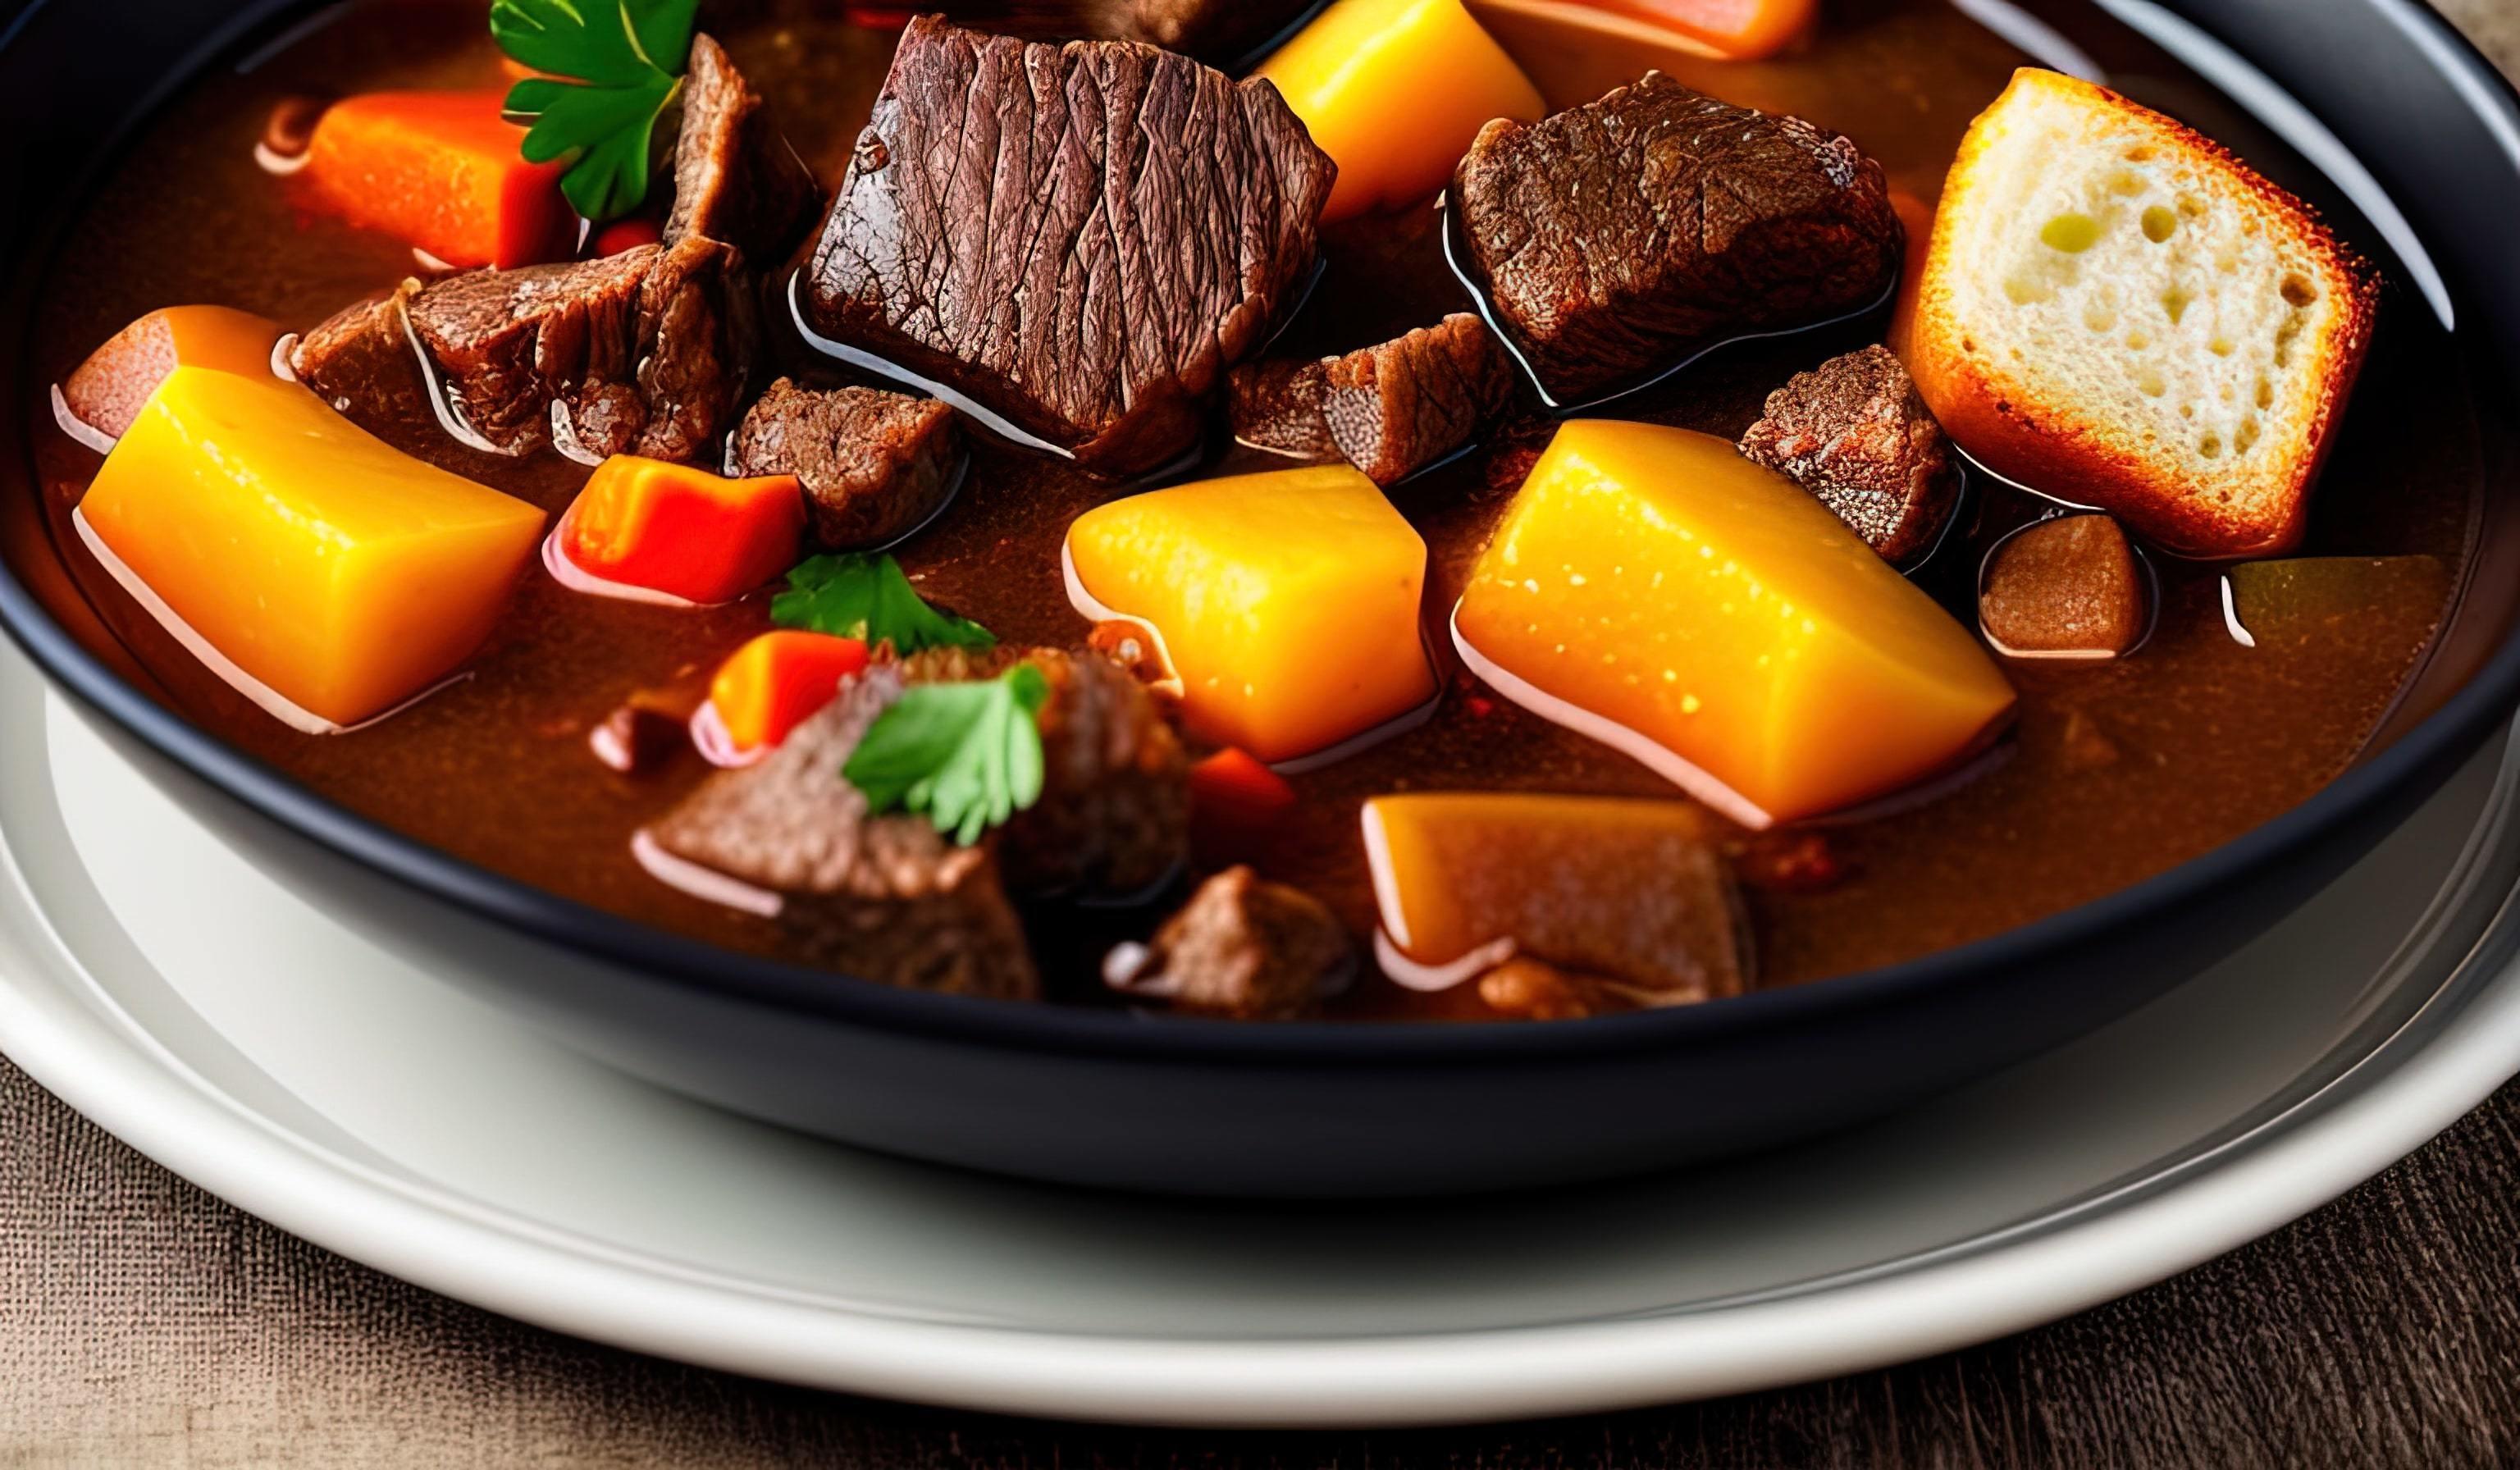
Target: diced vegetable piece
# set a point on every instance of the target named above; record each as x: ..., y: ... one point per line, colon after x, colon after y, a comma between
x: 778, y: 682
x: 340, y: 574
x: 1741, y: 30
x: 1234, y: 801
x: 1394, y: 91
x: 442, y: 171
x: 1635, y: 891
x: 107, y: 391
x: 682, y: 531
x: 1285, y: 604
x: 628, y: 234
x: 1655, y: 590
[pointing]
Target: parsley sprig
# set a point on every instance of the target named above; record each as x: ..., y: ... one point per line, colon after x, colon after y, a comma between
x: 867, y: 598
x: 612, y: 68
x: 965, y: 756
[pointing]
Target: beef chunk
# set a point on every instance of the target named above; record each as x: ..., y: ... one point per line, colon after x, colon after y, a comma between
x: 1391, y: 410
x: 1276, y: 405
x: 1114, y: 818
x: 1615, y: 238
x: 2066, y: 587
x: 874, y: 465
x: 512, y: 343
x: 1214, y: 31
x: 362, y: 362
x: 1853, y: 434
x: 736, y: 179
x: 1083, y: 239
x: 644, y: 352
x: 1240, y: 948
x: 697, y: 330
x: 886, y: 898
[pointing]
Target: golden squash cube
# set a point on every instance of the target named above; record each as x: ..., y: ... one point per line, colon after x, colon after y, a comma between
x: 1285, y: 605
x: 1652, y: 588
x: 336, y: 574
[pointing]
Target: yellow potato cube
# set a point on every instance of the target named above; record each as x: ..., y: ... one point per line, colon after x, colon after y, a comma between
x: 1394, y: 91
x: 1635, y: 892
x: 1655, y: 590
x: 1285, y: 605
x: 288, y: 545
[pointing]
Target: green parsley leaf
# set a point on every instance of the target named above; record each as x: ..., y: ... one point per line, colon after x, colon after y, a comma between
x: 615, y: 67
x: 965, y: 756
x: 867, y: 598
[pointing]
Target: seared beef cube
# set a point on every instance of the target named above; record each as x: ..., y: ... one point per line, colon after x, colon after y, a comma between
x: 874, y: 465
x: 1853, y: 434
x: 512, y: 343
x: 1397, y: 408
x: 697, y: 330
x: 1240, y: 948
x: 1276, y: 405
x: 1114, y: 818
x: 1614, y: 238
x: 1083, y: 238
x: 1390, y: 409
x: 736, y: 179
x: 884, y: 898
x: 363, y: 363
x: 643, y: 352
x: 2065, y: 588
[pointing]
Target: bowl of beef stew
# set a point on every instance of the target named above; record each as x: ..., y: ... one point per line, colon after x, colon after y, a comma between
x: 1370, y: 598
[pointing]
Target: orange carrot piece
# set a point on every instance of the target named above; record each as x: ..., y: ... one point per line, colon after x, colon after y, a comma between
x: 442, y: 171
x: 1234, y: 801
x: 779, y: 681
x: 675, y: 529
x: 1741, y: 30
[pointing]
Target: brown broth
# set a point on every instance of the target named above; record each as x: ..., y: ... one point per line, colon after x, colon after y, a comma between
x: 2118, y: 770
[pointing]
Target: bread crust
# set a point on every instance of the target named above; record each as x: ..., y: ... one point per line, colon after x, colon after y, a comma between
x: 2053, y: 447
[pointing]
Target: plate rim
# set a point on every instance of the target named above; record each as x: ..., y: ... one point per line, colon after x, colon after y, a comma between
x: 2465, y: 717
x: 65, y: 1029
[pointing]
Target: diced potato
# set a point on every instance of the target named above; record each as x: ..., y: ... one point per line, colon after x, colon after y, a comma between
x: 329, y: 568
x: 1655, y: 590
x: 1394, y: 91
x: 107, y: 390
x: 1285, y: 605
x: 1635, y: 892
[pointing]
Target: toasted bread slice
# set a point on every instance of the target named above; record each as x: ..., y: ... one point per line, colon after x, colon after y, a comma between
x: 2117, y: 312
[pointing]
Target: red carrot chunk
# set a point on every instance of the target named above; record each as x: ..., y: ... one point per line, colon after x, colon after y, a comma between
x: 682, y: 531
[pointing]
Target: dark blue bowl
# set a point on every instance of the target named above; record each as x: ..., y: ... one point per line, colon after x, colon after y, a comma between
x: 1321, y: 1110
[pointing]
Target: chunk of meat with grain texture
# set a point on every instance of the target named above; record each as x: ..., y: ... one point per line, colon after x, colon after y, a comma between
x: 1213, y: 30
x: 108, y: 390
x: 874, y: 465
x: 883, y: 898
x: 2066, y: 588
x: 735, y: 178
x: 361, y: 360
x: 1083, y: 239
x: 1855, y: 435
x: 1390, y: 409
x: 1114, y: 818
x: 1242, y: 949
x: 644, y: 352
x: 1614, y: 238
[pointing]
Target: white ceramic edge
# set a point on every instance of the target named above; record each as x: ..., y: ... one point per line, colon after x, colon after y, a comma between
x: 2301, y: 1162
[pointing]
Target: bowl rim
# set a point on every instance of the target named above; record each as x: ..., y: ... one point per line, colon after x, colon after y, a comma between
x: 2467, y: 715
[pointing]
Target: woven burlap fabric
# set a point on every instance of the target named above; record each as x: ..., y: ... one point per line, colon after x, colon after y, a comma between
x: 143, y: 1322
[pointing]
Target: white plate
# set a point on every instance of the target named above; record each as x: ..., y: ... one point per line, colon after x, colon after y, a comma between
x: 244, y: 1041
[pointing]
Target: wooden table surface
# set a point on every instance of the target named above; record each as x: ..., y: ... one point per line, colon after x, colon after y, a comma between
x: 143, y: 1322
